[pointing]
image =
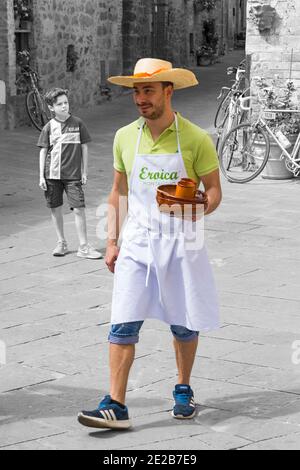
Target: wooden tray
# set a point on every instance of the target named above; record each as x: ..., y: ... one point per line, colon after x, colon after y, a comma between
x: 170, y: 204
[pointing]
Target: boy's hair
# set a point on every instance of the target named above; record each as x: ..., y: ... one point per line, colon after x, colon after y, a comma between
x: 52, y: 95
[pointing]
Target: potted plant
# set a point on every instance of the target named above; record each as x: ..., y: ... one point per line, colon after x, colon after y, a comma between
x: 23, y: 58
x: 23, y: 14
x: 205, y: 55
x: 277, y: 95
x: 200, y: 5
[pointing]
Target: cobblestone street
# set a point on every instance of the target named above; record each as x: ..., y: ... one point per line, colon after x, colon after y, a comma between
x: 55, y: 312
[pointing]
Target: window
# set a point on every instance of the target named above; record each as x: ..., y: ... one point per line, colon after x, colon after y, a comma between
x: 192, y: 43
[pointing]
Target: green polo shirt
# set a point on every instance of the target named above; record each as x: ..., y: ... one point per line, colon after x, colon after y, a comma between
x: 198, y: 150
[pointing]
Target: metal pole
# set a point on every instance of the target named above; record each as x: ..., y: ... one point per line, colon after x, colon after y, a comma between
x: 291, y: 67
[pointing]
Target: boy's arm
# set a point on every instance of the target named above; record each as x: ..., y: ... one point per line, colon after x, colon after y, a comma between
x: 43, y: 154
x: 85, y: 160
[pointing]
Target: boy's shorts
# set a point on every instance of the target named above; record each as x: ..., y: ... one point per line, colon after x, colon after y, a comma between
x: 73, y: 189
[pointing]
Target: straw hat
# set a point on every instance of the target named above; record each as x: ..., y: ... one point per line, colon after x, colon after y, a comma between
x: 156, y: 70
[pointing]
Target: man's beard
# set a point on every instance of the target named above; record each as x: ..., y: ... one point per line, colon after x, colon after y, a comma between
x: 157, y: 113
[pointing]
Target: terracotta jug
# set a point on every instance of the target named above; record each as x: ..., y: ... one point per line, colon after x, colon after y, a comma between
x: 186, y: 189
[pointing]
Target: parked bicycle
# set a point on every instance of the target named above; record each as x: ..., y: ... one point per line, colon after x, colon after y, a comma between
x: 36, y: 107
x: 227, y: 93
x: 235, y: 115
x: 245, y: 150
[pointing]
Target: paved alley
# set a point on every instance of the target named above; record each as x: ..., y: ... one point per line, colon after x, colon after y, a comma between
x: 55, y: 312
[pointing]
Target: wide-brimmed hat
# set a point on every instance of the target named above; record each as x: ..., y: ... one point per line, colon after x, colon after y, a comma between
x: 156, y: 70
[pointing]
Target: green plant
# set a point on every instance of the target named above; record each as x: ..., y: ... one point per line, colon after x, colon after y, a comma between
x: 23, y: 58
x: 205, y: 51
x: 201, y: 5
x: 211, y: 38
x: 22, y: 9
x: 279, y: 95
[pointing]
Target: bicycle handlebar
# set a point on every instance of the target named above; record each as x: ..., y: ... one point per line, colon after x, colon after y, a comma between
x: 224, y: 88
x: 242, y: 101
x: 278, y: 111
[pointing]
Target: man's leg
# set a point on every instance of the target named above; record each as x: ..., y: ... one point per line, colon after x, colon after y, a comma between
x: 122, y: 338
x: 185, y: 344
x: 185, y: 356
x: 121, y: 358
x: 112, y: 412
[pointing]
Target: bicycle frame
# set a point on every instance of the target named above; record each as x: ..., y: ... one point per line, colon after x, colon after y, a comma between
x: 261, y: 122
x: 291, y: 156
x: 238, y: 78
x: 33, y: 80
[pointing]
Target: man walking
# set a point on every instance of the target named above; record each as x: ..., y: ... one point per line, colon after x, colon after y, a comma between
x: 157, y: 276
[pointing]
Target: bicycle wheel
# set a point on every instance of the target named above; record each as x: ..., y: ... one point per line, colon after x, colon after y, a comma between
x: 222, y: 131
x: 37, y: 110
x: 222, y: 110
x: 239, y: 118
x: 244, y: 153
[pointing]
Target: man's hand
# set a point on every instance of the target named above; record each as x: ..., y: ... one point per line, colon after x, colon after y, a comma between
x: 213, y: 191
x: 43, y: 184
x: 112, y: 253
x: 84, y: 179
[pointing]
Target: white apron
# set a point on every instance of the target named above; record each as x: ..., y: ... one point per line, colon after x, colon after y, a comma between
x: 159, y: 273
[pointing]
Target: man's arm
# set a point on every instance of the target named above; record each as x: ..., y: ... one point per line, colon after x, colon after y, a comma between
x: 85, y: 160
x: 117, y: 211
x: 43, y: 154
x: 212, y: 185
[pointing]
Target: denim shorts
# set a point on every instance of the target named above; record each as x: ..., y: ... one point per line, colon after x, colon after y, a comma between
x: 56, y: 189
x: 128, y: 333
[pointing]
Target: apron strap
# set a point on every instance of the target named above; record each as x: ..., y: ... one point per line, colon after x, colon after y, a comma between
x: 139, y: 139
x: 177, y: 134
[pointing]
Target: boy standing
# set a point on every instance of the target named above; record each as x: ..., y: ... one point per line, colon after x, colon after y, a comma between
x: 64, y: 167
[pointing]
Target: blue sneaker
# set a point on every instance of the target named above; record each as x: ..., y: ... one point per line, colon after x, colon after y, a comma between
x: 108, y: 415
x: 184, y: 406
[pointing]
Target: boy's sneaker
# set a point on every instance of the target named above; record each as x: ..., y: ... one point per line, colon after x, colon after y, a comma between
x: 184, y: 404
x: 88, y: 252
x: 61, y: 249
x: 108, y: 415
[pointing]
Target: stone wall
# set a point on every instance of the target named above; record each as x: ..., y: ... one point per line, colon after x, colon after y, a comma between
x: 178, y: 31
x: 271, y: 50
x: 3, y: 60
x: 136, y: 32
x: 7, y: 64
x: 103, y: 38
x: 94, y: 31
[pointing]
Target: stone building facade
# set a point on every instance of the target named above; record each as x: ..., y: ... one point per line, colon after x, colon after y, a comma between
x: 273, y: 39
x: 136, y: 31
x: 77, y: 44
x: 7, y: 64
